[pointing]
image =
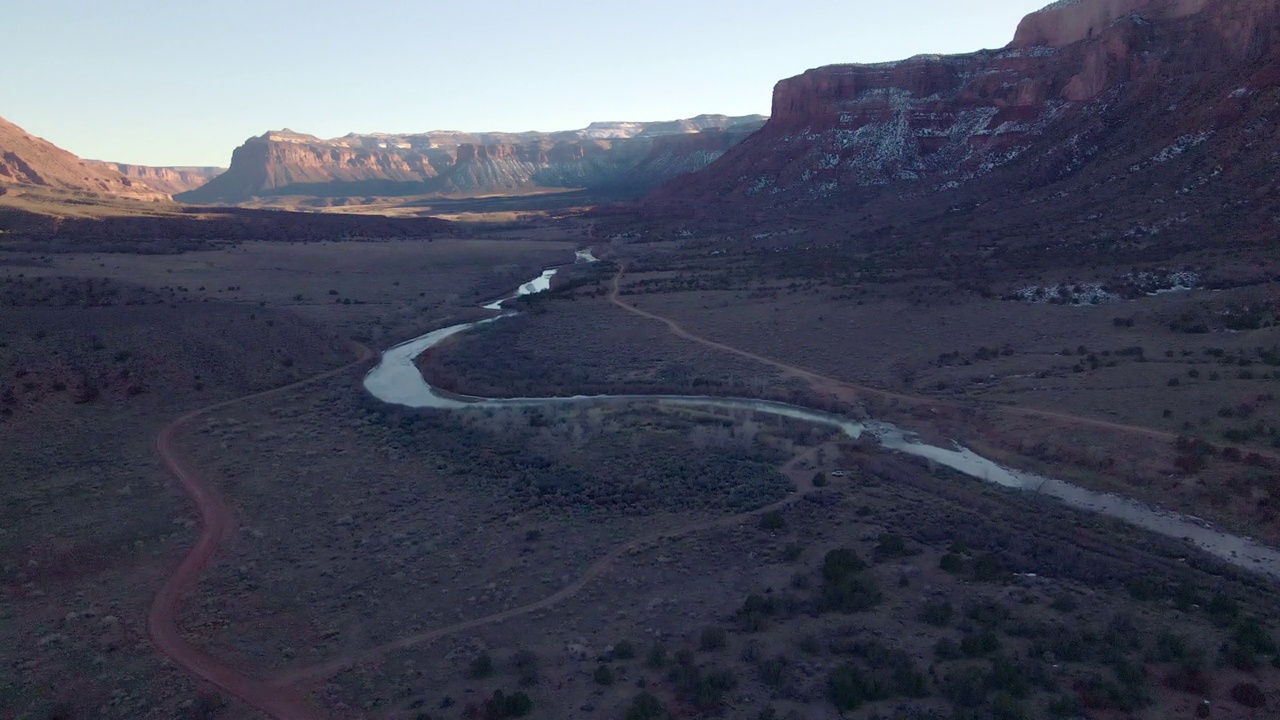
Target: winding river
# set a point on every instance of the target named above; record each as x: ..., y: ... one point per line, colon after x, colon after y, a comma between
x: 397, y: 381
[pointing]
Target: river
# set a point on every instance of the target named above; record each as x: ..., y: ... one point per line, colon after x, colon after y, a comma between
x: 396, y: 380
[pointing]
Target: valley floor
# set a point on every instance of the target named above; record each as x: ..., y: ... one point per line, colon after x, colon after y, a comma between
x: 620, y: 560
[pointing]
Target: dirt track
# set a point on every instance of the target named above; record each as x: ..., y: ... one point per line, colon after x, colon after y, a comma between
x: 280, y: 699
x: 841, y: 388
x: 216, y: 520
x: 803, y: 483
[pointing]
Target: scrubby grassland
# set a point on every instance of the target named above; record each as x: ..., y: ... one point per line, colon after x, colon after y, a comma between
x: 378, y: 292
x: 402, y: 521
x: 1174, y: 390
x: 89, y: 371
x: 589, y: 346
x: 893, y: 591
x: 97, y: 353
x: 698, y: 563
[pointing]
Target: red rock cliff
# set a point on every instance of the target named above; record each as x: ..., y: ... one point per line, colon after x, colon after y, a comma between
x: 168, y: 180
x: 604, y: 154
x: 1092, y: 69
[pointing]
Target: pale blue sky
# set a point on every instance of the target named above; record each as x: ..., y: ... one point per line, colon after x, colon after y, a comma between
x: 183, y: 82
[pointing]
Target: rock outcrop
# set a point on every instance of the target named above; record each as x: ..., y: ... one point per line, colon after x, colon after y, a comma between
x: 1069, y: 21
x: 1104, y: 91
x: 621, y: 157
x: 168, y: 180
x: 31, y: 161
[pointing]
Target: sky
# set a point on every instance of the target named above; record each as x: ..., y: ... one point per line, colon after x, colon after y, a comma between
x: 184, y: 82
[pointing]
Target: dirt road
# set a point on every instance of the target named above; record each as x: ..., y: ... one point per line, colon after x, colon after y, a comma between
x: 841, y: 388
x: 216, y: 521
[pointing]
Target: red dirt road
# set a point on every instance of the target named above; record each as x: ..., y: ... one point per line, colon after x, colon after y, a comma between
x: 216, y: 520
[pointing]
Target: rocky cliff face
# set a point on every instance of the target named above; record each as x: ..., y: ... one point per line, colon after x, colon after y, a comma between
x: 1099, y: 92
x: 29, y: 160
x: 168, y: 180
x: 622, y: 157
x: 1070, y: 21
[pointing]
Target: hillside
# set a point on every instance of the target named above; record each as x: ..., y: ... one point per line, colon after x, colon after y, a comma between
x: 1106, y: 122
x: 626, y: 158
x: 26, y: 160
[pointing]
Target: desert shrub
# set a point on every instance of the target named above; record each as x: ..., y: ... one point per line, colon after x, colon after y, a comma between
x: 1130, y: 674
x: 946, y: 649
x: 712, y: 638
x: 772, y: 520
x: 809, y: 645
x: 526, y: 665
x: 854, y: 593
x: 1122, y: 633
x: 841, y: 563
x: 1098, y: 693
x: 704, y: 689
x: 1169, y: 647
x: 1143, y: 588
x: 1064, y: 706
x: 755, y: 613
x: 1064, y: 602
x: 952, y: 563
x: 1240, y: 657
x: 1222, y: 610
x: 890, y: 546
x: 657, y: 656
x: 645, y: 706
x: 988, y: 613
x: 981, y: 643
x: 481, y: 666
x: 1190, y: 678
x: 988, y: 568
x: 603, y: 675
x: 624, y: 650
x: 500, y: 705
x: 1252, y: 635
x: 966, y: 687
x: 773, y: 671
x: 937, y: 612
x: 1249, y: 695
x: 844, y: 588
x: 847, y: 688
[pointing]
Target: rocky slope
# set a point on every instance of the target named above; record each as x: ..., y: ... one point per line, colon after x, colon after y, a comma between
x: 168, y: 180
x: 621, y: 157
x: 26, y: 160
x: 1157, y: 114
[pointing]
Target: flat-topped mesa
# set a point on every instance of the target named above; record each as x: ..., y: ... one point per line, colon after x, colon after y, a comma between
x: 168, y: 180
x: 830, y: 95
x: 1069, y: 21
x: 620, y: 157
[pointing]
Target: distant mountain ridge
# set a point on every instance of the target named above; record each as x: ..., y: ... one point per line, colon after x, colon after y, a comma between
x: 168, y: 180
x: 26, y: 160
x: 621, y: 157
